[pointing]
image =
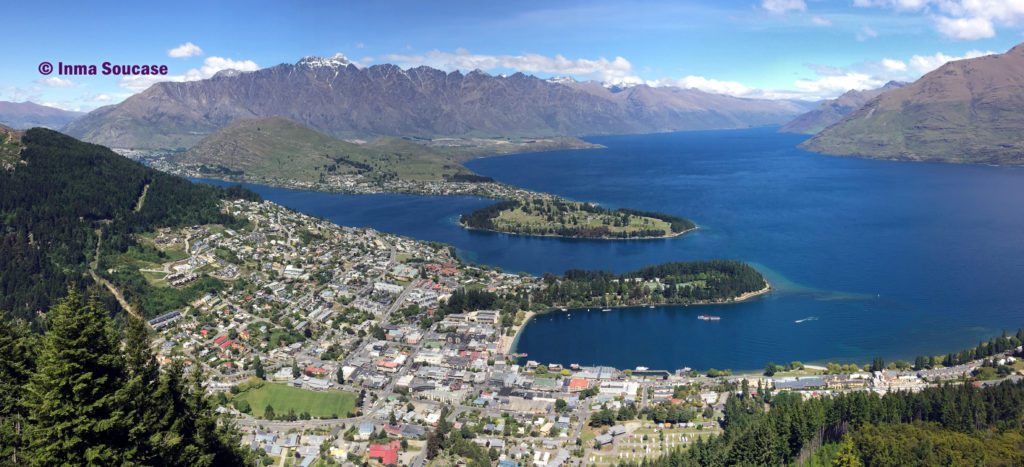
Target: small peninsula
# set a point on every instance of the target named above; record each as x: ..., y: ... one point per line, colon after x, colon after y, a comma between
x: 552, y: 217
x: 676, y: 283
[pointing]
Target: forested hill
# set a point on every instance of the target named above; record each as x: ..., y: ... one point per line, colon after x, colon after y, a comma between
x: 946, y: 425
x: 62, y: 194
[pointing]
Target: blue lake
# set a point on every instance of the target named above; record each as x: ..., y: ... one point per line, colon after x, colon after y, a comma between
x: 867, y: 258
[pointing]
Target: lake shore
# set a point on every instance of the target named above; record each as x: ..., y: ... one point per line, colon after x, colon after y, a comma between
x: 509, y: 343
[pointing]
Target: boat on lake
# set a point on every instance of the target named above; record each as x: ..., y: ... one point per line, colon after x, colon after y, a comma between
x: 709, y: 318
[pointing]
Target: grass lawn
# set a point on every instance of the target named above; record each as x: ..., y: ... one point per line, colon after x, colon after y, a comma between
x: 804, y: 372
x: 156, y: 279
x: 526, y: 217
x: 283, y: 398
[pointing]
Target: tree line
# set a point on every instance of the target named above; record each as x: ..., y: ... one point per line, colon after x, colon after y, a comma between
x: 946, y: 425
x: 992, y: 347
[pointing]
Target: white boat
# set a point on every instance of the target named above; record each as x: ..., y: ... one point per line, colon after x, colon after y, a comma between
x: 606, y: 309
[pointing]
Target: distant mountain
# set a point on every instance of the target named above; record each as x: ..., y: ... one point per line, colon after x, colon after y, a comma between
x: 276, y: 147
x: 832, y: 111
x: 966, y: 111
x: 24, y: 115
x: 336, y: 97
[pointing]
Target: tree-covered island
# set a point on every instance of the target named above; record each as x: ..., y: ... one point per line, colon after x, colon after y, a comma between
x: 562, y: 218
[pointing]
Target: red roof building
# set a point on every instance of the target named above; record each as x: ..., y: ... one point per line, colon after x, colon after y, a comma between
x: 578, y: 384
x: 315, y: 371
x: 387, y: 454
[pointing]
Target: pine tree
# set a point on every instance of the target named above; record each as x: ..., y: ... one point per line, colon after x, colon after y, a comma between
x: 257, y: 368
x: 207, y: 442
x: 169, y: 403
x: 847, y: 456
x: 73, y: 399
x: 90, y: 401
x: 142, y: 415
x: 17, y: 362
x: 433, y: 444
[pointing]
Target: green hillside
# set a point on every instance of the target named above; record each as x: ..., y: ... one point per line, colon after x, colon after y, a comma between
x: 66, y: 197
x: 278, y: 148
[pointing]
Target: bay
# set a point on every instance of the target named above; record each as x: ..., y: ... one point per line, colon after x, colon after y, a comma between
x: 867, y: 258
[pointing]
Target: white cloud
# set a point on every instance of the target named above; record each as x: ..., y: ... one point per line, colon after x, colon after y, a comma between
x: 894, y: 65
x: 55, y: 82
x: 832, y: 81
x: 902, y: 5
x: 731, y: 88
x: 62, y: 106
x: 617, y: 70
x: 821, y: 21
x: 965, y: 29
x: 102, y: 98
x: 837, y: 84
x: 828, y: 82
x: 960, y: 19
x: 211, y: 66
x: 185, y: 50
x: 922, y: 64
x: 17, y: 94
x: 865, y: 33
x: 782, y: 6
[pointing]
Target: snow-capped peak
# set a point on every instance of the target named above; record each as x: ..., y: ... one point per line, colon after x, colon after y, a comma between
x: 616, y: 86
x: 228, y: 73
x: 561, y: 79
x: 335, y: 61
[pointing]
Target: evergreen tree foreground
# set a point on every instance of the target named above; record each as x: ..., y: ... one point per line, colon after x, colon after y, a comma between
x: 82, y: 394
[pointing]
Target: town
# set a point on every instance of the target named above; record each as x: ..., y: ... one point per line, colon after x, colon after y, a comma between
x: 355, y: 183
x: 345, y: 345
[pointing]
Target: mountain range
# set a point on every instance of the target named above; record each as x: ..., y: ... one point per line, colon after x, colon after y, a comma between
x: 336, y: 97
x: 831, y: 111
x: 24, y: 115
x: 966, y: 111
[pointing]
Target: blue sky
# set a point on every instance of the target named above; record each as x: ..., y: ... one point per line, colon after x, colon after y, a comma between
x: 804, y: 49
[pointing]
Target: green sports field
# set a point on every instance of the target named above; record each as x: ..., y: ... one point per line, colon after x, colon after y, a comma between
x: 321, y: 404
